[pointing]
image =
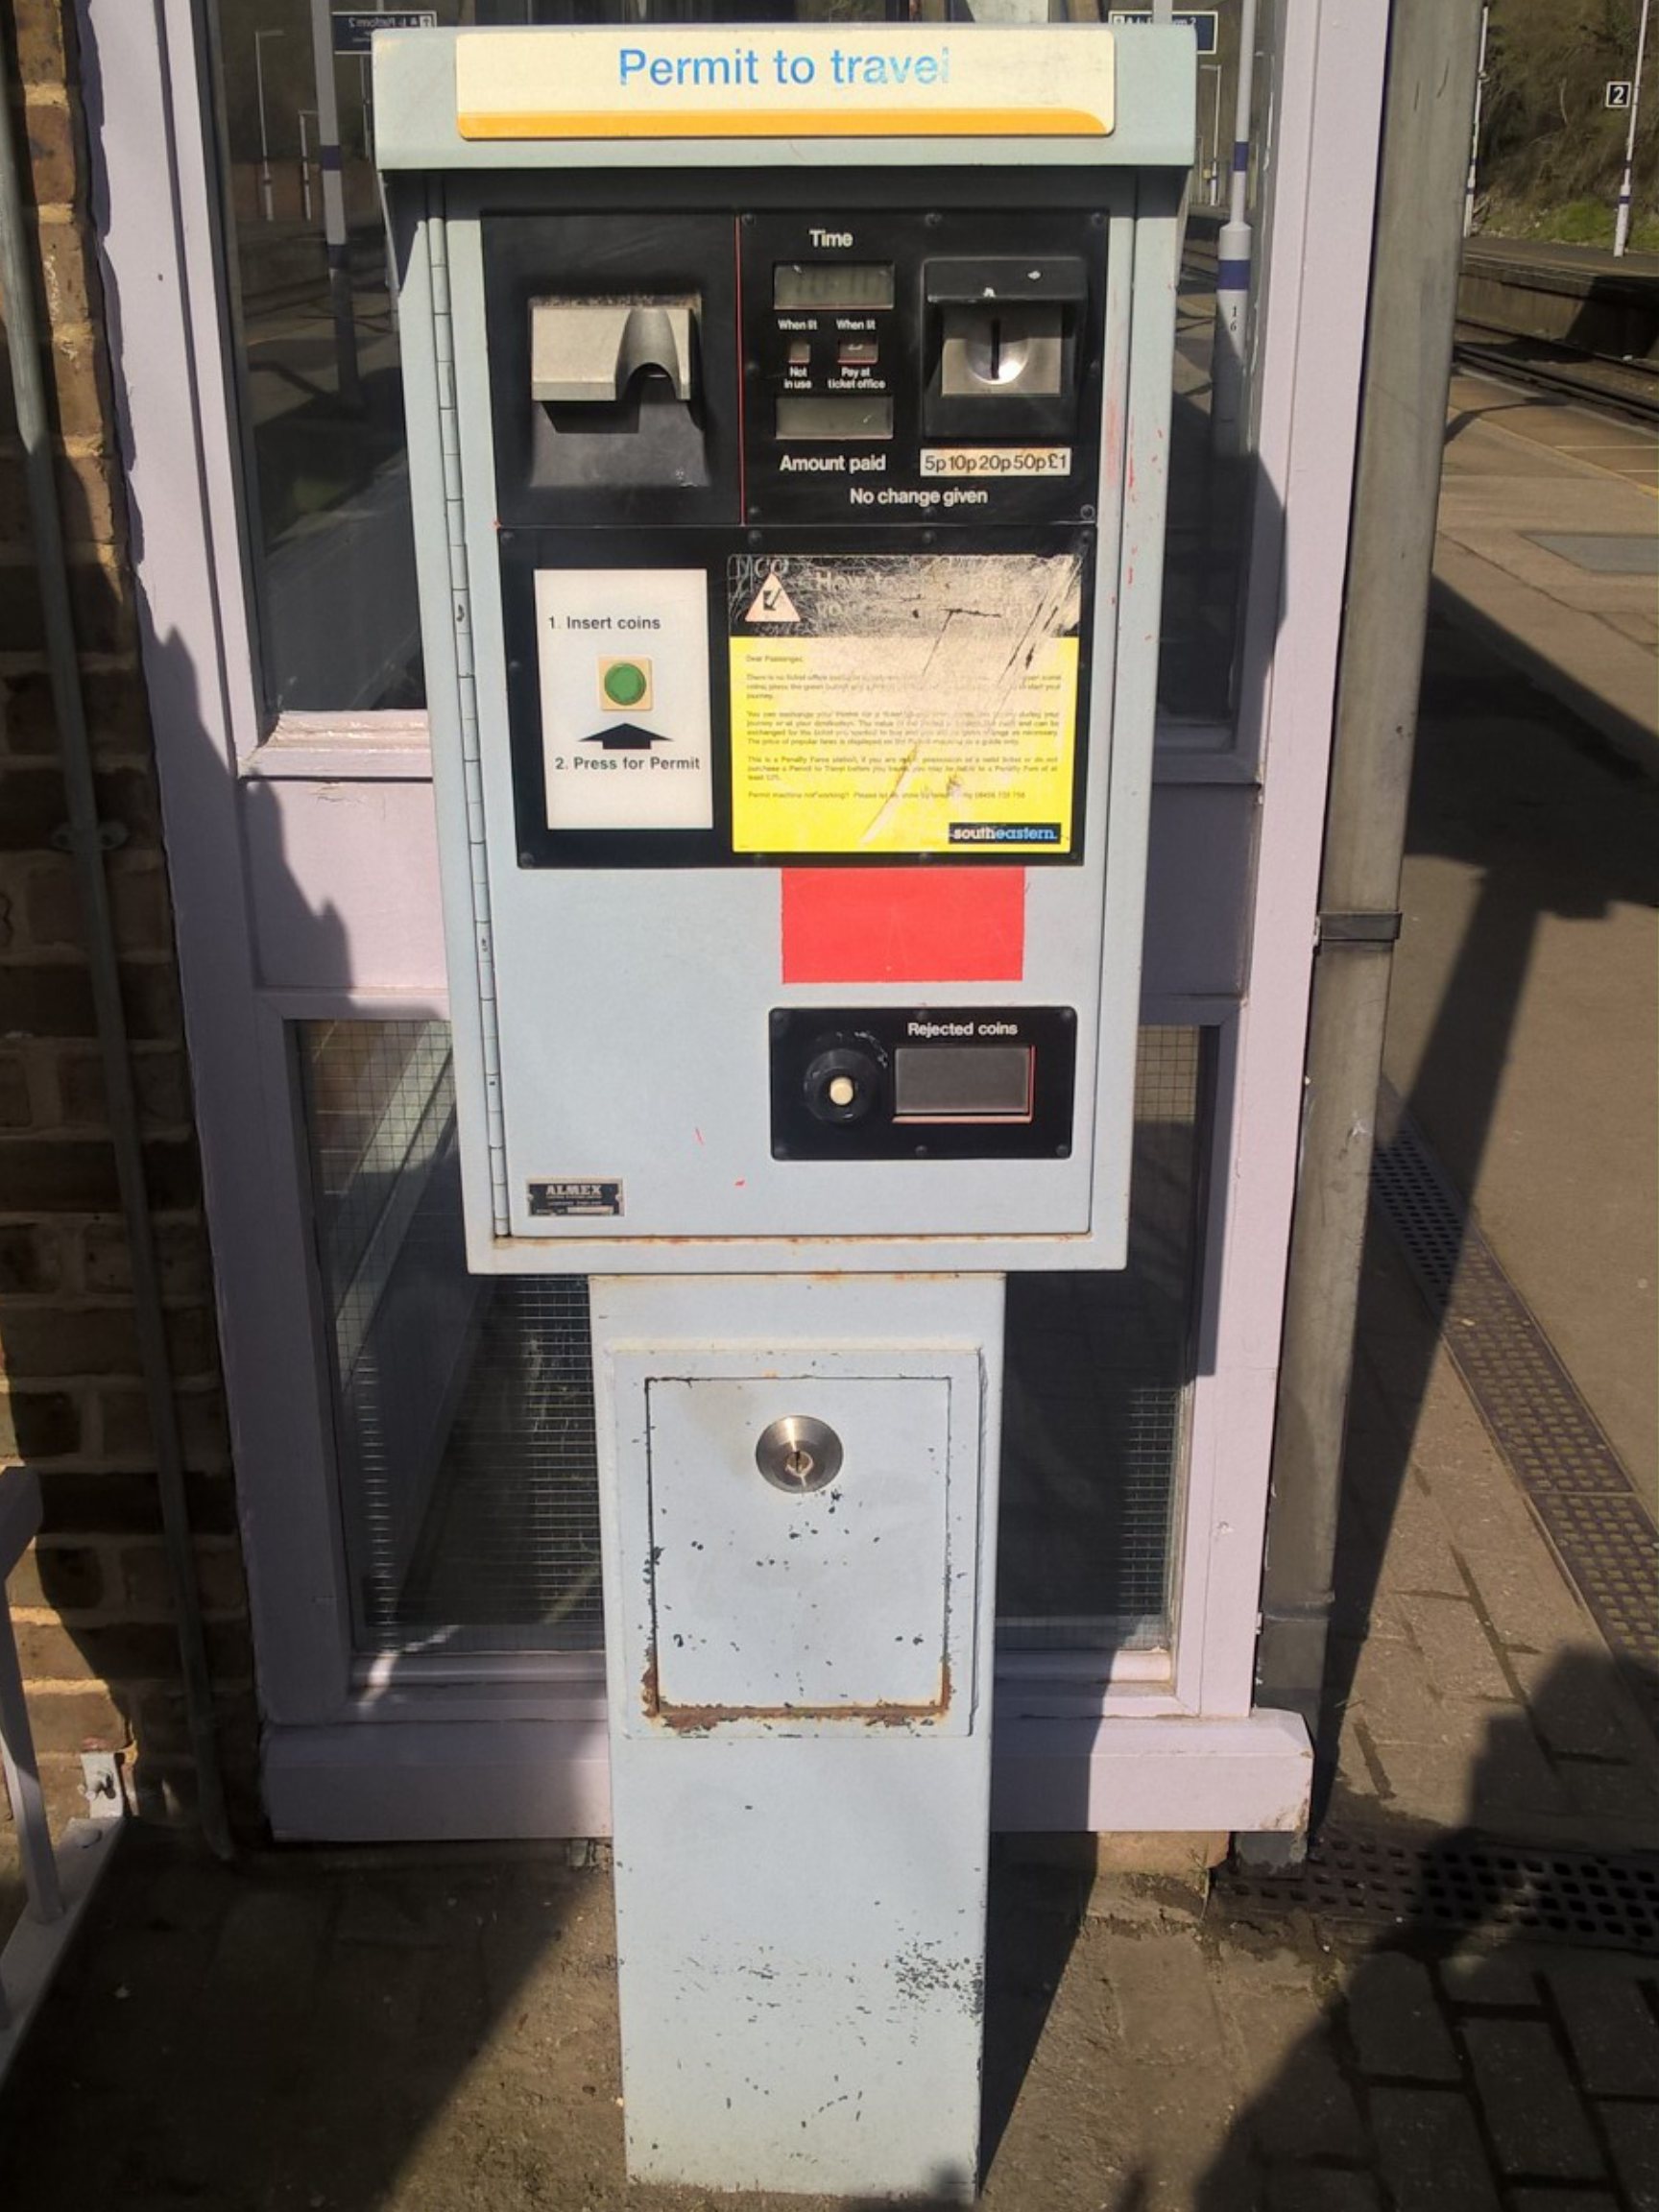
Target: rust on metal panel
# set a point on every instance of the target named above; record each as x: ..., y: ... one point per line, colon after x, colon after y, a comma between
x: 751, y: 1242
x: 700, y: 1719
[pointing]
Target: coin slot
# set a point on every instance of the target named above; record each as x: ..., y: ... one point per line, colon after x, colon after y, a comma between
x: 1011, y: 350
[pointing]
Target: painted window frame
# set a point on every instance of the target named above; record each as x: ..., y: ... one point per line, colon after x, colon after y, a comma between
x: 1174, y: 1745
x: 308, y: 745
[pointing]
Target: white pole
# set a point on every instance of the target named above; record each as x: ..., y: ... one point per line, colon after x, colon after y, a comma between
x: 329, y: 160
x: 1233, y: 262
x: 265, y: 194
x: 1475, y: 137
x: 1216, y: 135
x: 1621, y: 220
x: 366, y: 80
x: 1211, y: 73
x: 305, y: 164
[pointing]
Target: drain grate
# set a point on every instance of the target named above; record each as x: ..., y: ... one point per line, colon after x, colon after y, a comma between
x: 1537, y: 1417
x: 1477, y: 1891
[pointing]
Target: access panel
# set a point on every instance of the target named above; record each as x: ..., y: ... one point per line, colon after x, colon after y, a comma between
x: 799, y: 1561
x: 798, y: 1485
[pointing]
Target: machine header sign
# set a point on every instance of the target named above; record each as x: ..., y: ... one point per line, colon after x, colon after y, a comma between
x: 853, y: 81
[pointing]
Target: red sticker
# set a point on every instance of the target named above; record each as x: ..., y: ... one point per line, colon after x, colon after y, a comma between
x: 903, y: 925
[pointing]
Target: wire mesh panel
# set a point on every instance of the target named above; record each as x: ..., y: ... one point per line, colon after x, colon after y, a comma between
x: 463, y: 1408
x: 464, y: 1405
x: 1094, y: 1394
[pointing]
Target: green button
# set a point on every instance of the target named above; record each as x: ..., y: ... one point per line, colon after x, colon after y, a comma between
x: 625, y: 683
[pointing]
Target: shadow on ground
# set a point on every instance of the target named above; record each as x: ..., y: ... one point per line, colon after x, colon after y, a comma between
x: 341, y: 2031
x: 1503, y: 2035
x: 377, y: 2032
x: 1551, y: 823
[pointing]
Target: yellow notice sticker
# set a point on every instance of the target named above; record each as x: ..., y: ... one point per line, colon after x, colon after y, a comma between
x: 919, y: 704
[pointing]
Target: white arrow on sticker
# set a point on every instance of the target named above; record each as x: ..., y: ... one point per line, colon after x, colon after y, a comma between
x: 772, y: 604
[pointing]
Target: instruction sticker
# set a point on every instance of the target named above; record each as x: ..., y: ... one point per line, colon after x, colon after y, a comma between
x: 622, y: 657
x: 918, y: 703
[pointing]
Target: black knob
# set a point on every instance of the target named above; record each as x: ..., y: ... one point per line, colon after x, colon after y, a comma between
x: 843, y: 1084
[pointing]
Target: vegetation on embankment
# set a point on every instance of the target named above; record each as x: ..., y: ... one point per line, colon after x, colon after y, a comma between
x: 1551, y: 151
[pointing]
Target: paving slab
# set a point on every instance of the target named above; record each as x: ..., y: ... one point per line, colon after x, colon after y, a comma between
x: 1611, y: 2030
x: 1563, y: 2200
x: 1572, y: 1708
x: 1633, y: 2131
x: 1522, y: 1027
x: 1433, y: 2156
x: 1281, y: 2035
x: 1520, y: 474
x: 1537, y: 2119
x: 1457, y: 1648
x: 1321, y: 2189
x: 1394, y: 2023
x: 1502, y: 1707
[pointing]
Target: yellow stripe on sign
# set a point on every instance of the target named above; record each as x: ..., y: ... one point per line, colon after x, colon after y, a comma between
x: 795, y: 122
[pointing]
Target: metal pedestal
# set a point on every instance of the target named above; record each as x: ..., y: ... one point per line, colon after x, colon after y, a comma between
x: 799, y: 1478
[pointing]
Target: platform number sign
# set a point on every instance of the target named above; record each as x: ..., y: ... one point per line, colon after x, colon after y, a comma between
x: 355, y: 28
x: 1620, y: 92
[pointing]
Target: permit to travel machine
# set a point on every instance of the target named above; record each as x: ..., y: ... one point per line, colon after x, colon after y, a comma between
x: 788, y: 411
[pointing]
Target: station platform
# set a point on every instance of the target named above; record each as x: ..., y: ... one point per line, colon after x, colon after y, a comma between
x: 1556, y: 254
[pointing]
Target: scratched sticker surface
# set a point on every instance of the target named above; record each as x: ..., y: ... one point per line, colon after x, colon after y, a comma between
x: 899, y: 703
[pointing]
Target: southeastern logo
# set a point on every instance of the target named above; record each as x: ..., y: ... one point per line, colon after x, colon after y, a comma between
x: 1004, y: 833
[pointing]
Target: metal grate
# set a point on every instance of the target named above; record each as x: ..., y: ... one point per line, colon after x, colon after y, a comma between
x: 1537, y: 1417
x: 511, y: 1538
x: 1096, y: 1390
x: 1478, y: 1891
x: 463, y: 1408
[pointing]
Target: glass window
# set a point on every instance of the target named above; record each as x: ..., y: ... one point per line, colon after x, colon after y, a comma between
x: 1094, y: 1396
x: 326, y: 479
x: 463, y: 1408
x: 332, y: 551
x: 463, y: 1404
x: 1212, y: 474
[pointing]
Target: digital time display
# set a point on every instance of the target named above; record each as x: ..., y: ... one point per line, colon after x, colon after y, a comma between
x: 851, y: 284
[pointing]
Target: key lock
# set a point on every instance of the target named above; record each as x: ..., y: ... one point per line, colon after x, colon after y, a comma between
x: 799, y: 1453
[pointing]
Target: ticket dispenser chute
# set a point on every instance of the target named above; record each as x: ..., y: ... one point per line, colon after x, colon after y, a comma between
x: 787, y: 413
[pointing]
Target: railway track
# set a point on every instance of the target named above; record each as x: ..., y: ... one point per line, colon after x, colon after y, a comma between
x: 1617, y: 387
x: 1526, y: 358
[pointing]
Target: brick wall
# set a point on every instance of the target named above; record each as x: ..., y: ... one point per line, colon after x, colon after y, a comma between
x: 91, y: 1606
